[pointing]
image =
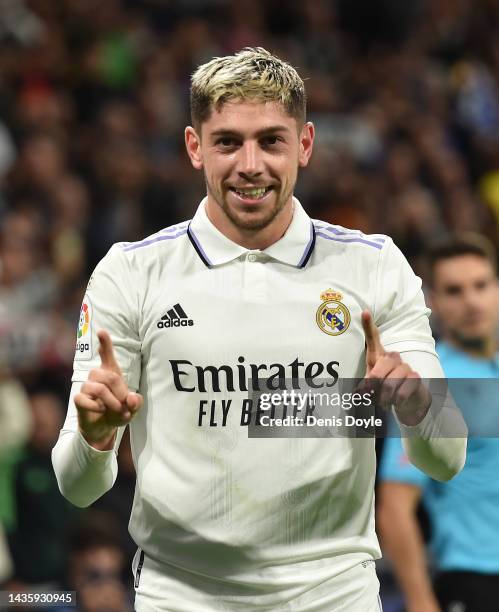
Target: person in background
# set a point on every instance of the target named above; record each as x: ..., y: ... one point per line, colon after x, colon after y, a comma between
x: 463, y: 513
x: 15, y: 427
x: 96, y: 565
x: 38, y: 542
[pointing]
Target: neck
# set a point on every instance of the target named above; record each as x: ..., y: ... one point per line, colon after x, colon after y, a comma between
x: 250, y: 238
x: 481, y: 348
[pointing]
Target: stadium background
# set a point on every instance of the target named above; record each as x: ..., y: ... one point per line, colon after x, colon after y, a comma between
x: 93, y: 102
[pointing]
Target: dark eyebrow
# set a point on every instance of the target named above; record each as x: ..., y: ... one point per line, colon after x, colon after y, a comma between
x: 265, y: 132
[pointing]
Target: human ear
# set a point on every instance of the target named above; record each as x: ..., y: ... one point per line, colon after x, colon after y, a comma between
x: 193, y: 146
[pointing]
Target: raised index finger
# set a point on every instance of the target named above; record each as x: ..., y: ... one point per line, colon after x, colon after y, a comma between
x: 371, y: 333
x: 106, y: 352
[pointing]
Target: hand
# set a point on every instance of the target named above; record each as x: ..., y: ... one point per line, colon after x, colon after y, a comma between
x: 395, y: 381
x: 104, y: 402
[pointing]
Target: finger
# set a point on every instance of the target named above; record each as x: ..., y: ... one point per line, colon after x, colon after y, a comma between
x: 409, y: 387
x: 391, y: 384
x: 97, y: 390
x: 385, y: 365
x: 414, y: 392
x: 106, y: 352
x: 84, y: 403
x: 118, y: 419
x: 134, y: 401
x: 374, y: 348
x: 115, y: 382
x: 369, y: 385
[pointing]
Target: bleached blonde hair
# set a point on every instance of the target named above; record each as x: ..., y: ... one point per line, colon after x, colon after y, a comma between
x: 252, y: 73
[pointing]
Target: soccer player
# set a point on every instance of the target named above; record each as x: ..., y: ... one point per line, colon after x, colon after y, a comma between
x: 176, y: 331
x: 464, y: 512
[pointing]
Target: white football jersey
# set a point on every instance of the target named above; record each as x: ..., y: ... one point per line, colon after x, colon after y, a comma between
x: 195, y: 319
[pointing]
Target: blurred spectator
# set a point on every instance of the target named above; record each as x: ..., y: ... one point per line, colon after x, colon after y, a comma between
x: 28, y: 292
x: 462, y: 512
x: 38, y: 542
x: 71, y: 213
x: 96, y: 565
x: 15, y: 427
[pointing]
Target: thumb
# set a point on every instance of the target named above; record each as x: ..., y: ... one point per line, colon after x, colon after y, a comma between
x: 374, y: 348
x: 134, y: 401
x: 106, y: 352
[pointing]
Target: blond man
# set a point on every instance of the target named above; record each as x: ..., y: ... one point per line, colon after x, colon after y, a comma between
x: 179, y: 331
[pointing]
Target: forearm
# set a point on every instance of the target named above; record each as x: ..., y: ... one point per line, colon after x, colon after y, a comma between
x: 428, y: 448
x: 403, y: 542
x: 436, y: 445
x: 83, y: 473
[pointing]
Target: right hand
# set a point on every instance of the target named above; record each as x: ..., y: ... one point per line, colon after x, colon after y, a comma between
x: 104, y: 402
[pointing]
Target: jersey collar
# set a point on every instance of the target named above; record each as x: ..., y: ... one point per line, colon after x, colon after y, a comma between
x: 214, y: 248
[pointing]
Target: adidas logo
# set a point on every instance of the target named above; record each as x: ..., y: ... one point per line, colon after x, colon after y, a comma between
x: 175, y: 317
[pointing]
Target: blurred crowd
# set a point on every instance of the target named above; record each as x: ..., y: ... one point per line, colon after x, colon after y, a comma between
x: 94, y: 98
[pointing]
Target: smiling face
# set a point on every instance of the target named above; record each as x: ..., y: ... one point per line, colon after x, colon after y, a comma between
x: 250, y: 152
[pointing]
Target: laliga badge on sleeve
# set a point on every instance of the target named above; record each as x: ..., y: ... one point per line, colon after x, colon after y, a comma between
x: 84, y: 332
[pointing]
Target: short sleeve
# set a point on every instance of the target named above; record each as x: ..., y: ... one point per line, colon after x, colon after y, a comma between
x: 110, y: 303
x: 400, y: 311
x: 396, y: 467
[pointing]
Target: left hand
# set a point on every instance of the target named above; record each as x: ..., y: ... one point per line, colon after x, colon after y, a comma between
x: 394, y: 380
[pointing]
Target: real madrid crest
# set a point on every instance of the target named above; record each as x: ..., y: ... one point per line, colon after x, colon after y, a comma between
x: 333, y: 317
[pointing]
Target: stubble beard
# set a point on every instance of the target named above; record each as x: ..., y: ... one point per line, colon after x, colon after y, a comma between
x: 471, y: 343
x: 255, y: 224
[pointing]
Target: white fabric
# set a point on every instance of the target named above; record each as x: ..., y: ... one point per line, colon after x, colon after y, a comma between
x: 437, y: 445
x: 211, y: 504
x: 353, y: 590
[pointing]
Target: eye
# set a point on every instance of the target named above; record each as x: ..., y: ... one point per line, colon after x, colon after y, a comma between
x: 226, y: 142
x: 453, y: 290
x: 270, y: 140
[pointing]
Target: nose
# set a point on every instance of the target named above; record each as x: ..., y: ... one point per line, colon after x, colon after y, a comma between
x: 250, y: 160
x: 473, y: 300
